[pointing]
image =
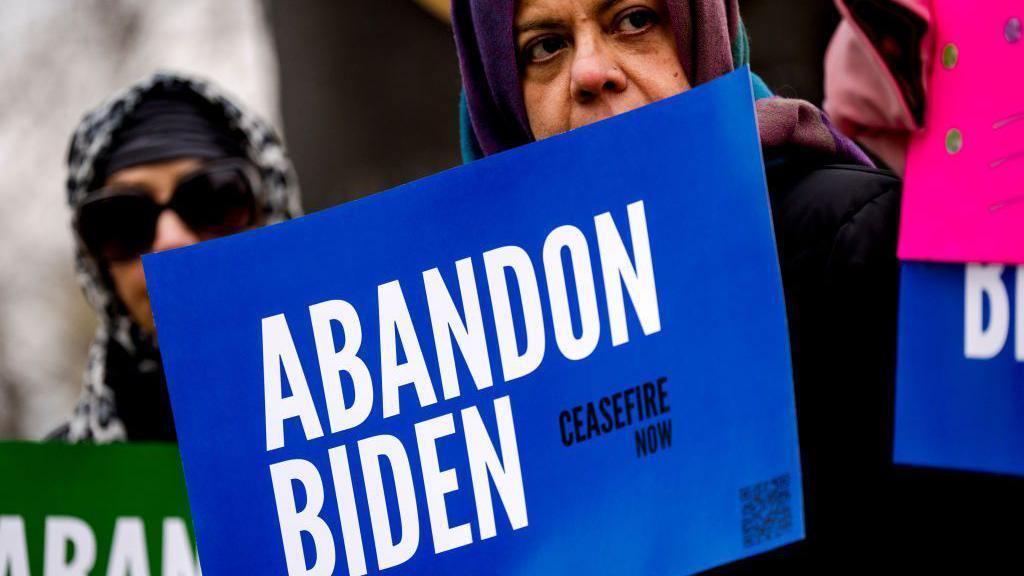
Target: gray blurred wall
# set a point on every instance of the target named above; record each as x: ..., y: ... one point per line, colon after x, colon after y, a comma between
x: 369, y: 93
x: 788, y: 39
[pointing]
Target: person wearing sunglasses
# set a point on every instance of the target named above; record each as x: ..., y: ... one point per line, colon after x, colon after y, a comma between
x: 167, y: 163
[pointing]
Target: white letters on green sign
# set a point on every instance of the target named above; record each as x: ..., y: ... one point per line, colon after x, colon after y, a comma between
x: 70, y: 548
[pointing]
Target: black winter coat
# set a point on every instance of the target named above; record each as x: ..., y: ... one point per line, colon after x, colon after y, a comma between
x: 836, y: 227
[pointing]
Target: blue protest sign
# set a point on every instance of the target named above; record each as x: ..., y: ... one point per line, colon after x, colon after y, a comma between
x: 960, y: 372
x: 567, y: 358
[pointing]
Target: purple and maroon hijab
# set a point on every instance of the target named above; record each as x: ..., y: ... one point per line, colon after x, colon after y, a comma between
x: 711, y: 42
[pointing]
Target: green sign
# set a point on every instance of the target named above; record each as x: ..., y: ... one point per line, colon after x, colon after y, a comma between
x: 75, y: 510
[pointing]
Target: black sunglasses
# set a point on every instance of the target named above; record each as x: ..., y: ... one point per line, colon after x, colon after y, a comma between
x: 119, y: 222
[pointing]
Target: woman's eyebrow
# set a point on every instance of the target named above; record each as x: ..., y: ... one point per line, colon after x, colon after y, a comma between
x: 607, y: 5
x: 603, y: 6
x: 128, y: 182
x: 542, y: 24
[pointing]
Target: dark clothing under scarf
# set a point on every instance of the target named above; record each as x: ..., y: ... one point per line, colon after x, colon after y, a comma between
x: 711, y: 41
x: 165, y: 116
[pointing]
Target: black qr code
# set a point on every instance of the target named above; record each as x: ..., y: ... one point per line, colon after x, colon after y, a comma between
x: 767, y: 510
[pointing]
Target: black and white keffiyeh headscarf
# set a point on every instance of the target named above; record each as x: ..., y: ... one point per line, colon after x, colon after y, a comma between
x: 121, y: 351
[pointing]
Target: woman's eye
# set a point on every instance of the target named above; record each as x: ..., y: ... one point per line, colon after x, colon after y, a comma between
x: 544, y: 48
x: 637, y: 21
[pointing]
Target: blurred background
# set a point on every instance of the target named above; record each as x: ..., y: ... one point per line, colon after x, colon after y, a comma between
x: 364, y: 92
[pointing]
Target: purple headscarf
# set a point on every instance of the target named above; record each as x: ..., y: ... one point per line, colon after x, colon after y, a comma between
x: 711, y: 41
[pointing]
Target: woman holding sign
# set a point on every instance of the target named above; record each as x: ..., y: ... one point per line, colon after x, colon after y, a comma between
x: 166, y: 163
x: 536, y: 68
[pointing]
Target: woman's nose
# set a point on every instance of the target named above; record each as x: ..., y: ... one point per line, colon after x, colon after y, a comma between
x: 595, y: 74
x: 172, y: 232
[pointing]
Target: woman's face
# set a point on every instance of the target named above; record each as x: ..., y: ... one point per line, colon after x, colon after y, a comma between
x: 159, y: 179
x: 586, y: 60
